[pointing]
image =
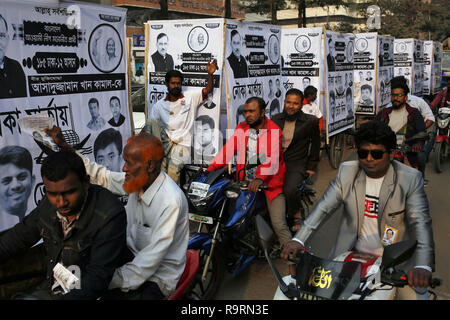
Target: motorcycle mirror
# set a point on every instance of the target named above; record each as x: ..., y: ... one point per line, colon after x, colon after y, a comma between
x: 256, y: 160
x: 264, y: 231
x: 397, y: 253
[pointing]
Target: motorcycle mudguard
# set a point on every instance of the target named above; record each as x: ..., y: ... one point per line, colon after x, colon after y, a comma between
x: 443, y: 137
x: 200, y: 240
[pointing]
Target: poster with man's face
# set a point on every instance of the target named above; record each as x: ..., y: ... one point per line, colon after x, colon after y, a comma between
x: 339, y: 51
x: 432, y: 67
x: 252, y: 65
x: 67, y: 62
x: 385, y: 70
x: 187, y: 46
x: 301, y: 53
x: 404, y: 60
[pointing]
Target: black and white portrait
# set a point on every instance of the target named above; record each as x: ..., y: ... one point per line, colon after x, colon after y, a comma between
x: 105, y: 48
x: 162, y: 61
x: 12, y: 77
x: 117, y: 118
x: 96, y: 122
x: 236, y: 59
x: 198, y: 39
x: 16, y: 183
x: 108, y: 149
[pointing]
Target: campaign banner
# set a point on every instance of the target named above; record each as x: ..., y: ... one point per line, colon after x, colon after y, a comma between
x: 187, y: 46
x: 252, y: 67
x: 385, y: 70
x: 365, y: 69
x: 66, y: 61
x: 339, y: 51
x: 432, y: 67
x: 301, y: 56
x: 408, y: 62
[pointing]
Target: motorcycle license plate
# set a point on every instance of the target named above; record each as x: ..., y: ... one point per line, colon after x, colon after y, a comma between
x: 199, y: 218
x: 199, y: 189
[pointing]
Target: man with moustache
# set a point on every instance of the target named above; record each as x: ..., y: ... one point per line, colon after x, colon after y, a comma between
x: 157, y: 230
x: 301, y: 148
x: 172, y: 119
x: 404, y: 120
x: 257, y: 135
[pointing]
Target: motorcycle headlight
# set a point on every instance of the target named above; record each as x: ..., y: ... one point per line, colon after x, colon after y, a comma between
x: 443, y: 123
x: 231, y: 194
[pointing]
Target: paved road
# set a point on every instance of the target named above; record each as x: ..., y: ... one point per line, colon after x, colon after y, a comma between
x: 258, y: 283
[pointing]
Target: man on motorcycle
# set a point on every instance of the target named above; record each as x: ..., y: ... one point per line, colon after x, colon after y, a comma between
x: 377, y: 194
x: 404, y: 120
x: 301, y: 148
x: 157, y: 229
x: 442, y: 99
x: 258, y: 135
x: 172, y: 119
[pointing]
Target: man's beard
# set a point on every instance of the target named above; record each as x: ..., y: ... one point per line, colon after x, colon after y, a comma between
x: 136, y: 184
x: 176, y: 92
x: 396, y: 106
x: 290, y: 117
x: 256, y: 123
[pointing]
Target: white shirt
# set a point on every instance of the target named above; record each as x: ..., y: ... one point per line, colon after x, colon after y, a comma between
x: 313, y: 109
x: 177, y: 118
x: 157, y: 230
x: 369, y: 238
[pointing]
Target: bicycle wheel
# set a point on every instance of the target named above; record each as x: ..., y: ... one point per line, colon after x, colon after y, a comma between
x: 336, y: 150
x: 205, y: 290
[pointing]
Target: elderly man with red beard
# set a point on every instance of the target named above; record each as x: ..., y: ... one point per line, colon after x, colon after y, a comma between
x: 157, y: 231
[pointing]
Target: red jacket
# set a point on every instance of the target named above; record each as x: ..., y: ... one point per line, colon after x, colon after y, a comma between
x: 270, y: 139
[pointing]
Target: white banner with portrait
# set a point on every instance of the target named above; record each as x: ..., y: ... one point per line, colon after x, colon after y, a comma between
x: 301, y: 56
x: 432, y: 67
x: 385, y: 70
x: 365, y: 68
x: 187, y: 46
x: 66, y: 61
x: 408, y: 62
x: 252, y: 67
x: 339, y: 52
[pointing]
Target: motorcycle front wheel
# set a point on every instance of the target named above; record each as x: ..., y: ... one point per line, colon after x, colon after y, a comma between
x: 336, y: 150
x: 205, y: 290
x: 439, y: 156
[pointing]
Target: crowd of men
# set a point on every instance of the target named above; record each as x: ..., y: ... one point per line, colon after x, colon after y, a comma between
x: 138, y: 251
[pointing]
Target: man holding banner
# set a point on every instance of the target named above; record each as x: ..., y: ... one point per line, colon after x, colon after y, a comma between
x: 172, y: 119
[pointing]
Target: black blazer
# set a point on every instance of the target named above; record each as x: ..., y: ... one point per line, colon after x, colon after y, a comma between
x: 303, y: 152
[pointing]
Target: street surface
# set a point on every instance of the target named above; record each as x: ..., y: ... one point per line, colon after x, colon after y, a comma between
x: 258, y: 282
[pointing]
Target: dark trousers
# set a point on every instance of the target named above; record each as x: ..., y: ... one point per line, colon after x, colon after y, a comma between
x: 147, y: 291
x: 292, y: 181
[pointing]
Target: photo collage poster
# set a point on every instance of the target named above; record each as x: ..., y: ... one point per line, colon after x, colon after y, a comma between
x: 66, y: 61
x: 385, y: 70
x: 403, y: 59
x: 252, y: 67
x: 301, y: 56
x: 432, y: 67
x: 364, y: 75
x: 187, y: 46
x: 339, y: 51
x: 418, y: 68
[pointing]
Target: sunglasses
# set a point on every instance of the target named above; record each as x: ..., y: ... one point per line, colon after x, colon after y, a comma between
x: 376, y: 154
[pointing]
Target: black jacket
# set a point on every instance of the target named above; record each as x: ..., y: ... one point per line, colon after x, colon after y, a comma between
x: 95, y: 244
x: 303, y: 151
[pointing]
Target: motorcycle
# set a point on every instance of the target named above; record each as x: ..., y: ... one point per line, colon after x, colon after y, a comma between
x: 226, y: 209
x: 350, y: 276
x: 441, y: 145
x: 405, y: 147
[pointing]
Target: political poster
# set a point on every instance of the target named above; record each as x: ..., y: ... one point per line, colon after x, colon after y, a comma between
x: 187, y: 46
x: 365, y: 69
x: 432, y: 67
x: 339, y: 51
x: 252, y: 66
x: 301, y: 56
x: 385, y: 70
x: 408, y: 62
x: 65, y: 61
